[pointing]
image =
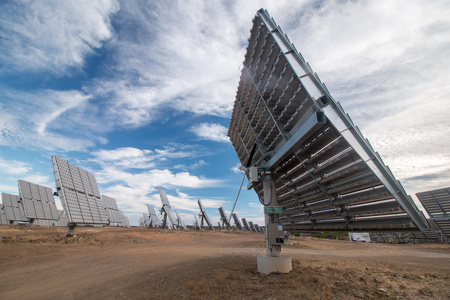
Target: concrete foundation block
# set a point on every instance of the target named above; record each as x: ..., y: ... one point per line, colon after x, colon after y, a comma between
x: 268, y: 264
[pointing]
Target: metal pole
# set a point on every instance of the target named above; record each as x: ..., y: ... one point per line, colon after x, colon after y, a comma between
x: 235, y: 201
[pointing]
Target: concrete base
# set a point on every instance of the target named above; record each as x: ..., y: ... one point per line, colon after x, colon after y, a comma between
x: 268, y: 264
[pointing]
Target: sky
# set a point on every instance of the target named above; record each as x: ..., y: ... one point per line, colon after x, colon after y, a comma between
x: 140, y: 92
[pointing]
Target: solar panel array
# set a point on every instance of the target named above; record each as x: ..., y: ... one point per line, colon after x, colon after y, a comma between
x: 38, y: 201
x: 285, y: 122
x: 79, y: 193
x: 437, y: 205
x: 13, y: 208
x: 112, y: 210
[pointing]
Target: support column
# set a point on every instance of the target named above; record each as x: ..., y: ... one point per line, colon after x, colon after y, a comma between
x: 273, y: 261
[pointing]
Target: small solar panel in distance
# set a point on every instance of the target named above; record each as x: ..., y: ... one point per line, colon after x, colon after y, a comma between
x: 111, y: 209
x: 327, y: 175
x: 79, y: 194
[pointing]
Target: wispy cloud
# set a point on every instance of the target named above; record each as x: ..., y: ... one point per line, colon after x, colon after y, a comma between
x: 53, y: 35
x: 41, y: 120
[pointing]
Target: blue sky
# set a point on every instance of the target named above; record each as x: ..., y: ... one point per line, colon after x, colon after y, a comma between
x: 141, y: 93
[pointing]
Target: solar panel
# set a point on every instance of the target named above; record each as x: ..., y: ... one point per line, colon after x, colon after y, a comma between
x: 3, y: 220
x: 203, y: 216
x: 167, y: 210
x: 79, y: 194
x: 196, y: 223
x: 13, y: 208
x: 246, y: 226
x: 62, y: 220
x: 180, y: 222
x: 437, y: 205
x: 326, y: 175
x: 38, y: 201
x: 154, y: 220
x: 237, y: 223
x: 224, y: 219
x: 112, y: 210
x: 124, y: 220
x: 251, y: 226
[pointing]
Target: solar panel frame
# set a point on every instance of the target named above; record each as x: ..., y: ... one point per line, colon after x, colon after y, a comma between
x: 79, y: 194
x: 285, y: 122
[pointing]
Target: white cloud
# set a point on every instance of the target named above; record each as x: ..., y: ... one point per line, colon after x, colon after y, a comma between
x: 211, y: 132
x: 53, y: 35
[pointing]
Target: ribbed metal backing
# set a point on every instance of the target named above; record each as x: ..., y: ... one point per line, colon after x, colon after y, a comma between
x: 327, y: 175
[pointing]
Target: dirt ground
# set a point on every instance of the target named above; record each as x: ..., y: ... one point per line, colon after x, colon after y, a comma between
x: 138, y: 263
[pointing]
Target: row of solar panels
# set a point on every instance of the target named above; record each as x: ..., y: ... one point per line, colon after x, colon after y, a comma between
x: 285, y: 122
x: 79, y: 195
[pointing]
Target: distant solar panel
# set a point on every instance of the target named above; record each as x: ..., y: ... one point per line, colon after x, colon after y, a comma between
x: 3, y: 220
x: 437, y: 205
x: 112, y: 210
x: 124, y: 219
x: 204, y: 216
x: 251, y: 226
x: 38, y: 201
x: 224, y: 219
x: 79, y: 194
x: 246, y: 226
x: 167, y: 209
x: 180, y: 222
x: 13, y: 208
x: 154, y: 220
x: 237, y: 223
x: 285, y: 122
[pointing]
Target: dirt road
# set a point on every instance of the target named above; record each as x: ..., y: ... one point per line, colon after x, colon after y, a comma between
x: 133, y: 263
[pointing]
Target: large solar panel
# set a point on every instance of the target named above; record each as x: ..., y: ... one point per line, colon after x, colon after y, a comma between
x: 13, y: 208
x: 112, y: 210
x: 79, y: 194
x: 38, y: 201
x: 437, y: 205
x: 286, y: 123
